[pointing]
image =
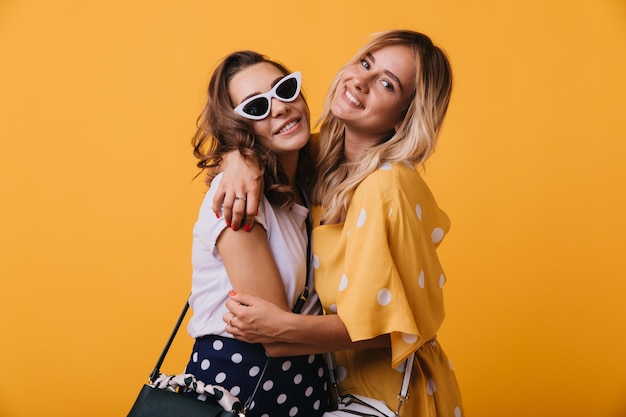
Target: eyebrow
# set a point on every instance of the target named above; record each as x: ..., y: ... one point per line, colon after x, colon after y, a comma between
x: 257, y: 93
x: 389, y: 73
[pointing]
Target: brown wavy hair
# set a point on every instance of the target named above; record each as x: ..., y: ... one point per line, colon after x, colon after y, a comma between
x: 221, y: 130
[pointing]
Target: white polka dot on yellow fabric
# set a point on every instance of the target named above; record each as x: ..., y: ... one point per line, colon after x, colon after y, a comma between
x: 333, y: 308
x: 431, y: 388
x: 450, y: 365
x: 418, y: 211
x: 442, y: 280
x: 341, y: 373
x: 409, y: 338
x: 316, y: 262
x: 384, y: 297
x: 457, y: 412
x: 420, y: 279
x: 362, y: 216
x: 409, y: 164
x: 348, y: 232
x: 386, y: 166
x: 437, y: 234
x: 390, y: 211
x: 343, y: 284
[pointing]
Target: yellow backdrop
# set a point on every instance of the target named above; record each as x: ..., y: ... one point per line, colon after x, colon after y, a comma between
x: 98, y: 101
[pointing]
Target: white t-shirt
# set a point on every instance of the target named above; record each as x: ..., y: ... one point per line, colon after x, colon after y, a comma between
x: 287, y: 238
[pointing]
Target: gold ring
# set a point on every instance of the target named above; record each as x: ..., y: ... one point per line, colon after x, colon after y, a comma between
x: 240, y: 198
x: 231, y: 319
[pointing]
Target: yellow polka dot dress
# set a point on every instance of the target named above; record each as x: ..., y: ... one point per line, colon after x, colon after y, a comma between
x: 379, y: 271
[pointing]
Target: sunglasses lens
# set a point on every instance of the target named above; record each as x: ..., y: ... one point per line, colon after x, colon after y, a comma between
x: 257, y: 107
x: 287, y: 89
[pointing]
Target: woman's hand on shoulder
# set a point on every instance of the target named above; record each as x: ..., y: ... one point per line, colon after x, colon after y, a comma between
x: 238, y: 195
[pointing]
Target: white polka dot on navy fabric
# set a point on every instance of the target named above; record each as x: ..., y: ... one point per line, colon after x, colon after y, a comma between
x: 383, y: 297
x: 235, y: 390
x: 221, y: 377
x: 205, y: 364
x: 418, y: 211
x: 320, y: 372
x: 343, y: 284
x: 297, y: 379
x: 442, y: 280
x: 268, y: 385
x: 308, y: 392
x: 316, y: 405
x: 310, y: 359
x: 236, y: 358
x: 420, y: 279
x: 286, y: 365
x: 431, y: 388
x: 316, y: 262
x: 437, y: 234
x: 293, y: 411
x: 385, y: 167
x: 218, y: 345
x: 265, y: 415
x: 281, y: 398
x: 457, y: 412
x: 333, y: 308
x: 362, y: 217
x: 194, y: 357
x: 254, y: 371
x: 409, y: 338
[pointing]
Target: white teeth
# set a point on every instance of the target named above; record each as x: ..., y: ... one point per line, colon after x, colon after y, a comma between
x: 288, y: 126
x: 353, y: 99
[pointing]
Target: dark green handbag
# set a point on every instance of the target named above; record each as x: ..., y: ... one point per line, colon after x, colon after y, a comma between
x: 154, y: 401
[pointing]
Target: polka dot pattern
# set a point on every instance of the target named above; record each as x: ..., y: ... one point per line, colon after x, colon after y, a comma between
x: 437, y: 235
x: 384, y: 297
x: 236, y: 366
x: 373, y: 281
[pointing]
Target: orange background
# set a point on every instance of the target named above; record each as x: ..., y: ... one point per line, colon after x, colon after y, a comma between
x: 98, y: 102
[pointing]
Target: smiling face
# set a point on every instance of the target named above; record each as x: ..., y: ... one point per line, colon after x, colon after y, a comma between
x: 373, y: 93
x: 286, y: 129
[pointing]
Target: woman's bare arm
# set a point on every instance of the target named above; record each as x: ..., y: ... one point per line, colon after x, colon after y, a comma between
x: 284, y: 333
x: 255, y: 274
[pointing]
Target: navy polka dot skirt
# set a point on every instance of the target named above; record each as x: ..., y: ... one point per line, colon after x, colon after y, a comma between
x: 292, y: 385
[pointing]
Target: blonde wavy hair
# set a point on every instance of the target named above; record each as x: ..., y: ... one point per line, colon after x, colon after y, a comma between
x: 414, y: 140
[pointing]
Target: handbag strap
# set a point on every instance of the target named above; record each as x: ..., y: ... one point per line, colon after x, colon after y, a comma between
x: 404, y: 388
x: 157, y: 368
x: 297, y: 305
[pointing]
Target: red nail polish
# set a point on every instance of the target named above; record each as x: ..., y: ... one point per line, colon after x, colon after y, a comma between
x: 235, y: 227
x: 227, y: 223
x: 217, y: 215
x: 232, y: 293
x: 247, y: 227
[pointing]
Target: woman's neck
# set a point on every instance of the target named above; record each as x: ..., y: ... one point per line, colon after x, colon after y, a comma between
x: 289, y: 161
x: 356, y: 143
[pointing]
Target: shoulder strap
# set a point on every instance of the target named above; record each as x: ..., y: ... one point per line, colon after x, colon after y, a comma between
x: 157, y: 369
x: 404, y: 388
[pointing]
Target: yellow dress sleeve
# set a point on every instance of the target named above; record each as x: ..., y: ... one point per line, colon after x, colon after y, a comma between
x: 392, y: 279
